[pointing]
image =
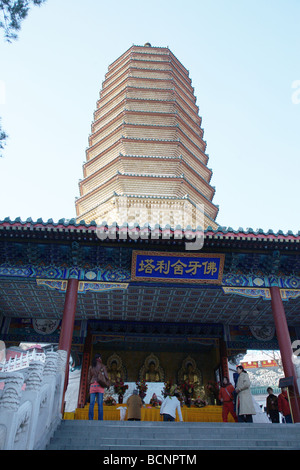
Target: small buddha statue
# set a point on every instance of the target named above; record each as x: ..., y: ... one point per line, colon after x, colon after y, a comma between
x: 152, y: 374
x: 114, y: 373
x: 190, y: 375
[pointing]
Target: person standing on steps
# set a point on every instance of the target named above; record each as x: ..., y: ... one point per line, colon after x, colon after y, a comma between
x: 226, y: 396
x: 272, y: 406
x: 245, y: 407
x: 284, y: 406
x: 97, y: 371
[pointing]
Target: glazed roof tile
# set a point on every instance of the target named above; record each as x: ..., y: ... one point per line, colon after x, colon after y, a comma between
x: 220, y: 232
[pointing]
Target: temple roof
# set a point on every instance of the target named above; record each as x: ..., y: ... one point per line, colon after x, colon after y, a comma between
x: 265, y: 247
x: 30, y: 250
x: 220, y: 232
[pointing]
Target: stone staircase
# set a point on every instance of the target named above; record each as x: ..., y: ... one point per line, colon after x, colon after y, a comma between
x: 183, y: 436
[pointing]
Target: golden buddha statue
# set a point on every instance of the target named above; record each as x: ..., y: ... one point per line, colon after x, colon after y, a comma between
x: 190, y: 375
x: 114, y: 369
x: 113, y: 373
x: 152, y: 374
x: 151, y: 370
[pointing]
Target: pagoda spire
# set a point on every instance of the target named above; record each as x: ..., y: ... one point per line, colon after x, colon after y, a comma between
x: 146, y: 160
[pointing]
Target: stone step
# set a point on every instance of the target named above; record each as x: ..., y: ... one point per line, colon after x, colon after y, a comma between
x: 176, y: 448
x: 172, y: 433
x: 124, y: 435
x: 104, y: 442
x: 160, y: 424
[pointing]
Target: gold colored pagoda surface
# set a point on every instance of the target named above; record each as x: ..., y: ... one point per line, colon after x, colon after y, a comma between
x: 146, y: 161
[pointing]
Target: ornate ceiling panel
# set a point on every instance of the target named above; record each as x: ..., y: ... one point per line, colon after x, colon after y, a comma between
x: 146, y: 303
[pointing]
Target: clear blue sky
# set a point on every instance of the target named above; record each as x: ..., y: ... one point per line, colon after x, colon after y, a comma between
x: 243, y: 59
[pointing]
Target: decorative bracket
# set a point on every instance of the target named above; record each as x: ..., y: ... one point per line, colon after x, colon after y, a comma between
x: 252, y: 292
x: 248, y: 292
x: 83, y: 286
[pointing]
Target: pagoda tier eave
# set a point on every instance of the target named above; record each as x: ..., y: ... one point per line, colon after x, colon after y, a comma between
x: 107, y: 151
x: 124, y: 86
x: 126, y: 100
x: 163, y: 142
x: 129, y: 69
x: 176, y: 98
x: 125, y: 125
x: 135, y: 51
x: 120, y: 158
x: 193, y: 107
x: 120, y: 82
x: 199, y: 197
x: 124, y: 112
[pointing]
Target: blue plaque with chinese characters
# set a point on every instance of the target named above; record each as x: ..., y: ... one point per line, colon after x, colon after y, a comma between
x: 177, y: 267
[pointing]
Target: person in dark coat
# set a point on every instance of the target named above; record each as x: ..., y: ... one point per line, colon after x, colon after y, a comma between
x: 272, y: 406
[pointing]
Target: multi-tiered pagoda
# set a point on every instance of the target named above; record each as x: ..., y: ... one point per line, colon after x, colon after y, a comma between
x: 155, y: 301
x: 146, y: 160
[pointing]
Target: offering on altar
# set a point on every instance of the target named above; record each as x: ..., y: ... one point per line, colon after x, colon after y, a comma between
x: 154, y: 401
x: 109, y: 401
x: 199, y: 403
x: 142, y: 388
x: 120, y: 388
x: 169, y: 388
x: 212, y: 391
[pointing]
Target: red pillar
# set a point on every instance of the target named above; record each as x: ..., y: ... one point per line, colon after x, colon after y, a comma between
x: 285, y: 347
x: 67, y: 326
x: 224, y: 359
x: 84, y: 370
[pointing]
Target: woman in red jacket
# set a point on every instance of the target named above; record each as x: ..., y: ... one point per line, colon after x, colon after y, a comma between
x: 284, y: 406
x: 226, y: 397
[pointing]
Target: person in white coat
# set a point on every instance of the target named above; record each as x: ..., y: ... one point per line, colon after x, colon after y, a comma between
x: 168, y: 408
x: 245, y: 407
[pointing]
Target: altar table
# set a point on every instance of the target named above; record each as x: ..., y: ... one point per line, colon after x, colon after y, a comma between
x: 149, y: 413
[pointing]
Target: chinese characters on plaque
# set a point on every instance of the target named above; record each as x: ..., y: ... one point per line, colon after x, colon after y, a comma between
x: 177, y: 267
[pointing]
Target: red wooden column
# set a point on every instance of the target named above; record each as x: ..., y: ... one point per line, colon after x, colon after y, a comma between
x: 285, y: 347
x: 224, y: 359
x: 84, y: 370
x: 67, y: 326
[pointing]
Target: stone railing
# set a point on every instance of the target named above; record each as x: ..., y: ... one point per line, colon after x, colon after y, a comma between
x: 30, y: 403
x: 22, y: 361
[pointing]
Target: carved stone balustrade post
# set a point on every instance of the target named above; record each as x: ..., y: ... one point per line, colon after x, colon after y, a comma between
x: 11, y: 395
x: 32, y: 395
x: 12, y: 422
x: 51, y: 364
x: 35, y: 376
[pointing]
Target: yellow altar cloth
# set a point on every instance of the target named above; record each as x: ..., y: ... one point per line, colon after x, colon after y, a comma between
x: 192, y: 414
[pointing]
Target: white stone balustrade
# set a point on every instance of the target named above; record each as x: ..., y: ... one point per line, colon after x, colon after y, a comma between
x: 22, y: 361
x: 30, y: 403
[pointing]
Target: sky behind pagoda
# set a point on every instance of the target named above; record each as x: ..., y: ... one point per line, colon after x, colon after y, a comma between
x: 242, y: 57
